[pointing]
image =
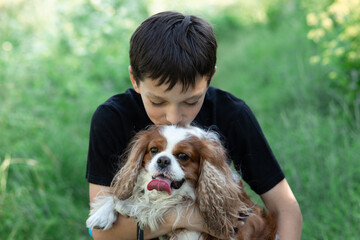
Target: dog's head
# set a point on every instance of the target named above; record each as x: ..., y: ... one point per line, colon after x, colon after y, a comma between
x: 175, y: 156
x: 171, y: 155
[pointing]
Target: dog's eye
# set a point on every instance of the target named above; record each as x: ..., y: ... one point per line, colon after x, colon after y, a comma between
x: 154, y: 150
x: 182, y: 156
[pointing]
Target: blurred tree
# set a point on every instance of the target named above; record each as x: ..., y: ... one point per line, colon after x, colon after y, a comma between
x: 336, y: 30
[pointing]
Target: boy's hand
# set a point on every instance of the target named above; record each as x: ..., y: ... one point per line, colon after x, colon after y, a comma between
x: 192, y: 220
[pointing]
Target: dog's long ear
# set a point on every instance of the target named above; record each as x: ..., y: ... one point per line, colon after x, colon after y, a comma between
x: 124, y: 181
x: 218, y: 195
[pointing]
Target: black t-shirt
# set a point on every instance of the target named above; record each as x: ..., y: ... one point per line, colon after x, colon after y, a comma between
x: 117, y: 120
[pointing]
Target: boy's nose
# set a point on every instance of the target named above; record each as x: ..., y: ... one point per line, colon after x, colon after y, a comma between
x: 173, y: 116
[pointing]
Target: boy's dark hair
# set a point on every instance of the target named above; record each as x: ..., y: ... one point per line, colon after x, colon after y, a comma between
x: 172, y: 47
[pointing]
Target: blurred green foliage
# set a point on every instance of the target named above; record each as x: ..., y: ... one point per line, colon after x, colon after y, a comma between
x: 60, y: 59
x: 336, y: 29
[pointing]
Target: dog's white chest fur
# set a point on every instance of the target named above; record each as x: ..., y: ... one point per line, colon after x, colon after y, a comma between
x: 147, y: 207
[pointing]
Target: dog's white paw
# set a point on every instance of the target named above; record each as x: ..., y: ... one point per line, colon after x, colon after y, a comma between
x: 103, y: 214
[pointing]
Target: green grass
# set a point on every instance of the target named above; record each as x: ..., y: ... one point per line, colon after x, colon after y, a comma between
x: 306, y: 127
x: 47, y: 101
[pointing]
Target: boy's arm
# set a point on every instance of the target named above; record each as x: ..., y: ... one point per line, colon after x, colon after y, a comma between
x: 281, y: 202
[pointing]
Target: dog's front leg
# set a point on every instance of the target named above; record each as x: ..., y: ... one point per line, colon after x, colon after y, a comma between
x: 102, y: 214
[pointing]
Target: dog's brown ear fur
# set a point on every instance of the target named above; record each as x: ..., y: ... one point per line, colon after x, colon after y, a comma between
x: 218, y: 195
x: 125, y: 179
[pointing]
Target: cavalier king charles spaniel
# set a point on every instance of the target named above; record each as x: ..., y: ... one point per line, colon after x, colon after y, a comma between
x: 173, y: 168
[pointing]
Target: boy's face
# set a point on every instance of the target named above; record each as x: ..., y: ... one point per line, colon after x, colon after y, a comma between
x: 173, y: 106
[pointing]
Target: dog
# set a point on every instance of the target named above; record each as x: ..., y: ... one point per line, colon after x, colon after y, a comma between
x: 173, y: 168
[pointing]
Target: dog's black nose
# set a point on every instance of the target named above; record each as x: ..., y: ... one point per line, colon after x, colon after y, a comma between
x: 163, y: 162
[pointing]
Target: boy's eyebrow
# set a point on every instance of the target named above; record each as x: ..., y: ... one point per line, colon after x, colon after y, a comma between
x: 195, y: 97
x: 153, y: 95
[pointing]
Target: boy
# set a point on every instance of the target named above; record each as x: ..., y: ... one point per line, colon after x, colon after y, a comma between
x: 172, y: 62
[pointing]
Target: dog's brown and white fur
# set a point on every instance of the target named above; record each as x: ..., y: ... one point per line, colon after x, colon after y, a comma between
x: 193, y: 164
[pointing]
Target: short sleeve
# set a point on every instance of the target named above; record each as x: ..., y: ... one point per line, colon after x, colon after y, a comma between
x: 251, y: 153
x: 104, y: 146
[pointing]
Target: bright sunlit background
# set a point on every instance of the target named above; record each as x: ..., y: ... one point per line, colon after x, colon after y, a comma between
x: 296, y: 63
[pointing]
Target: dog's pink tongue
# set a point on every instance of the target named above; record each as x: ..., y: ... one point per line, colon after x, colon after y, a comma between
x: 160, y: 184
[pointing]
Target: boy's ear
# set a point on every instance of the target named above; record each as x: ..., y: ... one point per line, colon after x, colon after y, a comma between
x: 133, y: 81
x: 213, y: 75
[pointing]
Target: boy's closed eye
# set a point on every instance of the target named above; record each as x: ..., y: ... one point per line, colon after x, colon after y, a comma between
x: 155, y: 103
x: 191, y: 103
